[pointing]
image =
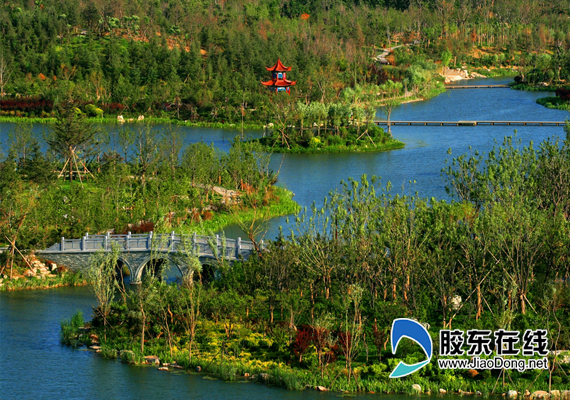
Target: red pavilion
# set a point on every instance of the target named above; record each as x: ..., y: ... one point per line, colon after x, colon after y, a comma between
x: 279, y: 82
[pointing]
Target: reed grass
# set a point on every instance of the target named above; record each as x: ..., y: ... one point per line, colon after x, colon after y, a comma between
x: 70, y: 334
x: 34, y: 120
x: 151, y: 120
x: 391, y: 144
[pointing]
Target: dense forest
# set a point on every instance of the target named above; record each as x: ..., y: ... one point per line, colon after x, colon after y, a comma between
x: 204, y: 60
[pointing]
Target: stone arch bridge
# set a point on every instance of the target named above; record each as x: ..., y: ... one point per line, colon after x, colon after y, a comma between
x: 138, y: 251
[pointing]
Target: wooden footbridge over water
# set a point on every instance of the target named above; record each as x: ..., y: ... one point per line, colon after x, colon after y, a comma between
x: 470, y: 123
x: 476, y: 86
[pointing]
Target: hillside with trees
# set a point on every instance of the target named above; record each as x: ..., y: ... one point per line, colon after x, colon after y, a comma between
x: 205, y: 60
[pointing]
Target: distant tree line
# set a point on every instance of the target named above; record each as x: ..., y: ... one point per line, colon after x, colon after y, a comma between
x: 196, y: 60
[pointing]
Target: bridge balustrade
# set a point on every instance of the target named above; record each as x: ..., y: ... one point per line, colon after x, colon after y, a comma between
x: 203, y: 246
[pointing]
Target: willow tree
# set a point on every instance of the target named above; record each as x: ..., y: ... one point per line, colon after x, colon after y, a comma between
x: 101, y: 276
x: 72, y: 137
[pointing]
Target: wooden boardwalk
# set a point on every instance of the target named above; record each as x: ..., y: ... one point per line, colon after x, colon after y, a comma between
x: 472, y: 123
x: 476, y: 86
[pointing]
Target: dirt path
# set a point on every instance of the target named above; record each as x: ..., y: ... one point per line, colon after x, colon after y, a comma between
x: 382, y: 57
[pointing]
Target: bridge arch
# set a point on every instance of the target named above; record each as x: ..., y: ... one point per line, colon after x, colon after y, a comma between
x: 136, y: 250
x: 123, y: 271
x: 147, y: 261
x: 209, y: 270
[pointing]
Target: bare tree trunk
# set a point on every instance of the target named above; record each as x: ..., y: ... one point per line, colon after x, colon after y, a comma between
x: 143, y: 326
x: 4, y: 74
x: 479, y: 303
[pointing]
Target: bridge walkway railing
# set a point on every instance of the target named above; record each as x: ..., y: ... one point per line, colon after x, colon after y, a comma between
x: 203, y: 246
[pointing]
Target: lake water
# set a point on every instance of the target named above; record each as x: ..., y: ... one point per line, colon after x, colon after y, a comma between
x: 311, y: 177
x: 35, y: 365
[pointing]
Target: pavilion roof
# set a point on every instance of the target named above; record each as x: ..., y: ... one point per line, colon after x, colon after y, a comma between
x: 278, y: 67
x: 279, y: 82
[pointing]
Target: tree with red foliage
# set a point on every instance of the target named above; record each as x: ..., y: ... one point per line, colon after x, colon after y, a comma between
x: 302, y: 342
x: 563, y: 93
x: 322, y: 339
x: 380, y: 337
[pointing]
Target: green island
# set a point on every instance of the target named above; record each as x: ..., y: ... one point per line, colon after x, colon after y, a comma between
x: 352, y: 139
x: 315, y: 309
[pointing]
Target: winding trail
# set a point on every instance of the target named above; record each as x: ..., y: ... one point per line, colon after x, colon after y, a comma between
x: 382, y: 57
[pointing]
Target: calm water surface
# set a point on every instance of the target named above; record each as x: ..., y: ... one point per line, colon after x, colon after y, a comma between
x: 35, y: 365
x: 311, y: 177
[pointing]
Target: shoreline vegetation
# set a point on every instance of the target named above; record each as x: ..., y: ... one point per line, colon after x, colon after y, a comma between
x: 18, y: 283
x: 351, y: 139
x: 151, y: 120
x: 345, y: 125
x: 324, y: 148
x: 553, y: 102
x: 24, y: 277
x: 315, y: 309
x: 262, y: 370
x: 141, y: 60
x: 343, y: 121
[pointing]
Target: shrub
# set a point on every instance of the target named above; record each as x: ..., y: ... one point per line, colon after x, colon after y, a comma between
x: 26, y: 104
x: 334, y: 140
x: 93, y: 111
x: 70, y: 329
x: 314, y: 142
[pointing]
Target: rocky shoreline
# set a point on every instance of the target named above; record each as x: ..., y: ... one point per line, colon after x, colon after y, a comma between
x: 453, y: 75
x: 166, y: 365
x: 39, y: 275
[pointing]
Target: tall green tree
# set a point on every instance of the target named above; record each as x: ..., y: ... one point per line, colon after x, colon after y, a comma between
x: 72, y: 138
